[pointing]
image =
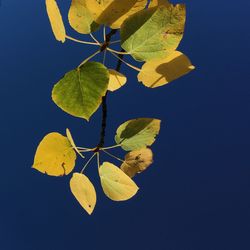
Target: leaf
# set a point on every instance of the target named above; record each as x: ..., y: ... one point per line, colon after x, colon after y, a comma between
x: 113, y: 12
x: 56, y: 20
x: 154, y: 32
x: 80, y: 17
x: 137, y: 161
x: 154, y: 3
x: 70, y: 138
x: 116, y: 80
x: 84, y: 191
x: 54, y: 155
x: 158, y: 72
x: 81, y: 90
x: 115, y: 183
x: 138, y: 133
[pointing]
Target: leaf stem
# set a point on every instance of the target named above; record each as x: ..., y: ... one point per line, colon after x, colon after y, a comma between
x: 115, y: 146
x: 87, y: 59
x: 93, y: 37
x: 129, y: 65
x: 111, y: 155
x: 117, y: 52
x: 83, y: 42
x: 87, y: 163
x: 113, y: 42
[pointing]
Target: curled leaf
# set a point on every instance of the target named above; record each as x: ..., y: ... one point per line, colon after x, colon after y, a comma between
x: 158, y: 72
x: 115, y: 183
x: 84, y: 192
x: 80, y: 17
x: 116, y: 80
x: 138, y: 133
x: 54, y: 155
x: 70, y: 138
x: 80, y: 91
x: 137, y: 161
x: 56, y: 20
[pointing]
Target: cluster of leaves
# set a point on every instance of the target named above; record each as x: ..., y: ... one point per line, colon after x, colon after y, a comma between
x: 56, y: 156
x: 150, y: 32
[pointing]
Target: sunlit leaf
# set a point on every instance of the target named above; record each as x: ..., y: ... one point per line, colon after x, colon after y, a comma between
x: 80, y: 17
x: 137, y: 133
x: 154, y: 32
x: 116, y: 80
x: 158, y: 72
x: 137, y: 161
x: 113, y: 12
x: 115, y: 183
x: 54, y: 155
x: 56, y: 20
x: 80, y: 91
x: 84, y: 191
x: 154, y: 3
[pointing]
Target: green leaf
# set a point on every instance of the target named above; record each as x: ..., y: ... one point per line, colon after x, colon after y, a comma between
x: 55, y: 19
x: 113, y: 12
x: 54, y: 155
x: 115, y: 183
x: 80, y: 17
x: 81, y: 90
x: 137, y: 161
x: 84, y: 191
x: 154, y: 32
x: 158, y: 72
x: 138, y: 133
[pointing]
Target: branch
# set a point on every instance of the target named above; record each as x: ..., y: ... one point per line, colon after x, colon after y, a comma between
x: 104, y: 98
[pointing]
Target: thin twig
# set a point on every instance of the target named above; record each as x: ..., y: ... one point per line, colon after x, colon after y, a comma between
x: 117, y: 52
x: 129, y: 65
x: 115, y: 157
x: 87, y: 59
x: 92, y: 36
x: 87, y: 163
x: 80, y: 41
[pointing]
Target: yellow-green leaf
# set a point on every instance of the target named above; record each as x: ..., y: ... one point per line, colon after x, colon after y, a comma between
x: 158, y: 72
x: 56, y: 20
x: 113, y: 12
x: 116, y: 80
x: 138, y: 133
x: 84, y: 191
x: 153, y: 33
x: 54, y: 155
x: 115, y: 183
x: 80, y: 17
x: 137, y: 161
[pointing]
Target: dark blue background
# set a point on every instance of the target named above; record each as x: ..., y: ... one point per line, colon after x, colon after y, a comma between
x: 196, y: 196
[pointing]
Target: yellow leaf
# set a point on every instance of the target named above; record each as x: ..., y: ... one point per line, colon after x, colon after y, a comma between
x: 56, y: 20
x: 137, y: 161
x: 70, y: 138
x: 154, y: 3
x: 80, y: 17
x: 54, y: 155
x: 84, y: 191
x: 158, y: 72
x: 116, y: 80
x: 115, y: 183
x: 114, y: 12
